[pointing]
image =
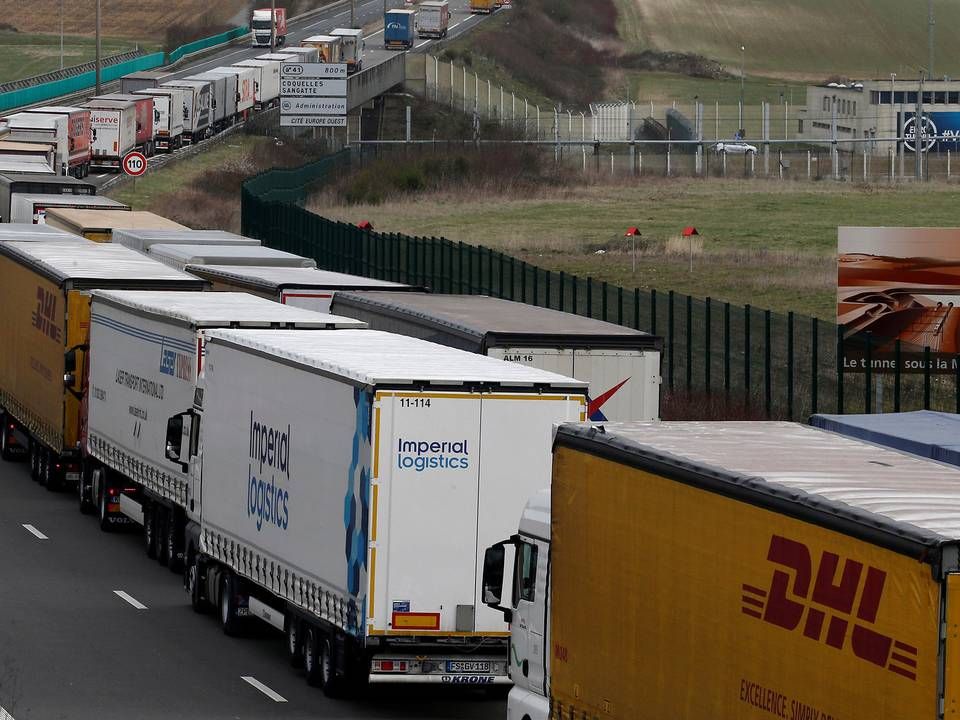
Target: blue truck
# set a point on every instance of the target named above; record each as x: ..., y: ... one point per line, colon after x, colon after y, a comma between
x: 399, y: 29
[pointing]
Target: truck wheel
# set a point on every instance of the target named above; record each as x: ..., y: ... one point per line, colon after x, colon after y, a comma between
x: 34, y: 461
x: 54, y: 475
x: 149, y: 531
x: 311, y: 658
x: 228, y: 605
x: 294, y: 635
x: 332, y: 685
x: 162, y: 521
x: 83, y: 493
x: 5, y: 431
x: 174, y: 553
x: 103, y: 515
x: 44, y: 466
x: 193, y: 584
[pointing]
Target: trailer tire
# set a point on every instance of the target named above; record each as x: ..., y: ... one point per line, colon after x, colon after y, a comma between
x: 45, y: 460
x: 5, y: 452
x: 83, y: 493
x: 34, y: 461
x: 226, y: 599
x: 149, y: 531
x: 293, y: 631
x: 162, y: 523
x: 311, y: 657
x: 54, y: 476
x: 174, y: 554
x: 103, y: 516
x: 192, y: 581
x: 333, y: 685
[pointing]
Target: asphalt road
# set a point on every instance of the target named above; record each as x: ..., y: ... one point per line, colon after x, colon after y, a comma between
x: 72, y: 648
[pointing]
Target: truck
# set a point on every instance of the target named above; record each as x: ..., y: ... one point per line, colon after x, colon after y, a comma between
x: 98, y: 224
x: 353, y: 45
x: 26, y: 164
x: 433, y: 19
x: 330, y: 47
x: 78, y: 136
x: 266, y: 22
x: 926, y: 433
x: 196, y: 109
x: 129, y: 460
x: 113, y: 127
x: 142, y: 239
x: 303, y: 54
x: 33, y: 208
x: 144, y: 80
x: 223, y: 98
x: 42, y: 127
x: 44, y: 154
x: 620, y: 364
x: 168, y: 116
x: 179, y: 256
x: 399, y: 29
x: 300, y: 287
x: 266, y: 82
x: 45, y: 334
x: 14, y: 184
x: 484, y: 7
x: 426, y: 453
x: 733, y: 571
x: 245, y: 88
x: 145, y: 114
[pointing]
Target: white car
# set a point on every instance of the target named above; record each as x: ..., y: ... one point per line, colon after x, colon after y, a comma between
x: 734, y: 147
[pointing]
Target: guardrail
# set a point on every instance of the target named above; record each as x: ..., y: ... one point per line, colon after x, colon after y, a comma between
x: 68, y: 71
x: 66, y: 86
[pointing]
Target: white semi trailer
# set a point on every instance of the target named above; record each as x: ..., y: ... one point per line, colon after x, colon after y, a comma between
x: 349, y: 483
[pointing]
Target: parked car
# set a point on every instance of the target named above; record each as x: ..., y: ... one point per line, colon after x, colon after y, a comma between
x: 734, y: 147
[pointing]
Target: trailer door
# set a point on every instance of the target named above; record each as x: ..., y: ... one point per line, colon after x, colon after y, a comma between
x: 624, y: 384
x: 422, y: 560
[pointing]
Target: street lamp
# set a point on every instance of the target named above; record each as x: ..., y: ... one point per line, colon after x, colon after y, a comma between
x: 743, y: 51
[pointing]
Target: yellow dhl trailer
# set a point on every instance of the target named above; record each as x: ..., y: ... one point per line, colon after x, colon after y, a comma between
x: 98, y: 224
x: 44, y: 333
x: 734, y: 571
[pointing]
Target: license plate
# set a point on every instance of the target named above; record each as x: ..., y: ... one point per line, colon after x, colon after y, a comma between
x: 73, y: 476
x: 468, y: 666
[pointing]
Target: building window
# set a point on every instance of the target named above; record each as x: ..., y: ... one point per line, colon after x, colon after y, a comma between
x: 826, y: 104
x: 953, y: 98
x: 911, y: 98
x: 940, y: 98
x: 898, y: 97
x: 800, y: 127
x: 927, y: 97
x: 874, y: 97
x: 854, y: 107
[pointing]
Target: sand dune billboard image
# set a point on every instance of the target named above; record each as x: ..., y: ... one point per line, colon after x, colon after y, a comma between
x: 899, y: 284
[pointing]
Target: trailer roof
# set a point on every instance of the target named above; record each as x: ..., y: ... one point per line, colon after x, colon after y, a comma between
x: 347, y: 32
x: 369, y: 358
x: 493, y: 322
x: 33, y: 120
x: 221, y: 309
x: 98, y: 104
x: 30, y: 228
x: 929, y: 434
x: 25, y: 146
x: 894, y: 499
x: 227, y: 255
x: 25, y: 164
x: 94, y: 264
x: 44, y: 178
x: 112, y: 219
x: 98, y: 200
x: 147, y: 75
x: 143, y: 238
x: 277, y: 278
x: 56, y: 109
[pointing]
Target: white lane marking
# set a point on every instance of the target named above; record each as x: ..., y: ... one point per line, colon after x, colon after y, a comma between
x: 4, y: 715
x: 376, y: 33
x: 457, y: 24
x: 40, y: 536
x: 132, y: 600
x: 276, y: 697
x: 102, y: 175
x: 422, y: 44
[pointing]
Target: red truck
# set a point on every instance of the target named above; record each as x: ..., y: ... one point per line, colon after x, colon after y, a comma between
x: 78, y: 136
x: 146, y: 142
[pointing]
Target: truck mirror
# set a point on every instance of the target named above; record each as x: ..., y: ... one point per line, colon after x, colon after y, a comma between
x: 493, y: 563
x: 181, y: 439
x: 70, y: 361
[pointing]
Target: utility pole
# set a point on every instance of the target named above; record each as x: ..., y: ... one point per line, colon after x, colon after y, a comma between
x: 353, y: 14
x: 97, y: 62
x: 930, y: 23
x: 743, y: 51
x: 273, y: 25
x: 918, y: 139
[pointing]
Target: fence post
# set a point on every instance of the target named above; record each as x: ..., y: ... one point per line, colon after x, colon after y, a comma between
x: 500, y: 274
x: 470, y: 269
x: 767, y: 370
x: 790, y: 365
x: 546, y: 288
x: 670, y: 297
x: 573, y: 294
x: 636, y: 308
x: 560, y: 303
x: 814, y: 365
x: 840, y: 369
x: 589, y: 296
x: 619, y: 305
x: 896, y: 376
x: 603, y: 299
x: 653, y: 312
x: 868, y: 375
x: 689, y: 342
x: 523, y: 281
x: 926, y: 377
x: 746, y: 353
x: 513, y: 279
x: 707, y: 355
x: 726, y: 348
x: 536, y: 284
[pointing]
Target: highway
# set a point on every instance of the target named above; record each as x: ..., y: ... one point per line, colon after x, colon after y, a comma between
x: 90, y: 629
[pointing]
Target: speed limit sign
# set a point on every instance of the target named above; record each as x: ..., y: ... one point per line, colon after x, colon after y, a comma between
x: 134, y: 164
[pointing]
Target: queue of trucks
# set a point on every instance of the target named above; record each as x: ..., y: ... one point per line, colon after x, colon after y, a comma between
x: 405, y: 486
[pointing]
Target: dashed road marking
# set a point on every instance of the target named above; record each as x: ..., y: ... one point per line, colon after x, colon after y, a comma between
x: 130, y: 599
x: 276, y: 697
x: 40, y: 536
x: 4, y: 715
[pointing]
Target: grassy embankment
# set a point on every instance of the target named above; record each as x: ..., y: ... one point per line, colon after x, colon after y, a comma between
x: 24, y: 55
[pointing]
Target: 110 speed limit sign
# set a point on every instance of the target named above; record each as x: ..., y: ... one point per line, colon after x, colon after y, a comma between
x: 134, y: 164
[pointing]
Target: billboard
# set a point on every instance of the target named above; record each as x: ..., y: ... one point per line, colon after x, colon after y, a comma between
x: 940, y: 130
x: 899, y: 284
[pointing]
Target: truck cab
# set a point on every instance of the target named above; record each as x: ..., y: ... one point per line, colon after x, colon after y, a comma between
x: 525, y: 605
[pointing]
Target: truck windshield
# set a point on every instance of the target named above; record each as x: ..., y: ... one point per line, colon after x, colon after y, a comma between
x: 260, y: 25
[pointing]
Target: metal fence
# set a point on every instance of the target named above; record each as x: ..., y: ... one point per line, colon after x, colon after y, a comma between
x: 720, y: 360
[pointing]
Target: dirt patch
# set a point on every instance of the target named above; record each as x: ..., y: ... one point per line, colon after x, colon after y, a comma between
x: 680, y: 63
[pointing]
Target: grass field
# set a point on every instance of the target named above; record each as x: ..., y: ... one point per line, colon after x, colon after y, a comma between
x: 24, y: 55
x: 768, y: 244
x: 814, y: 38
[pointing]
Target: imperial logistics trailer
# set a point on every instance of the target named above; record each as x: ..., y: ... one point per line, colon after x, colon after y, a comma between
x: 621, y: 365
x: 78, y: 136
x: 735, y: 571
x: 349, y: 482
x: 301, y: 287
x: 45, y: 295
x: 154, y: 342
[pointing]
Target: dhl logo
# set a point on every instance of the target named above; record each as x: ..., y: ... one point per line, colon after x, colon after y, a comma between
x: 789, y: 605
x: 44, y: 318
